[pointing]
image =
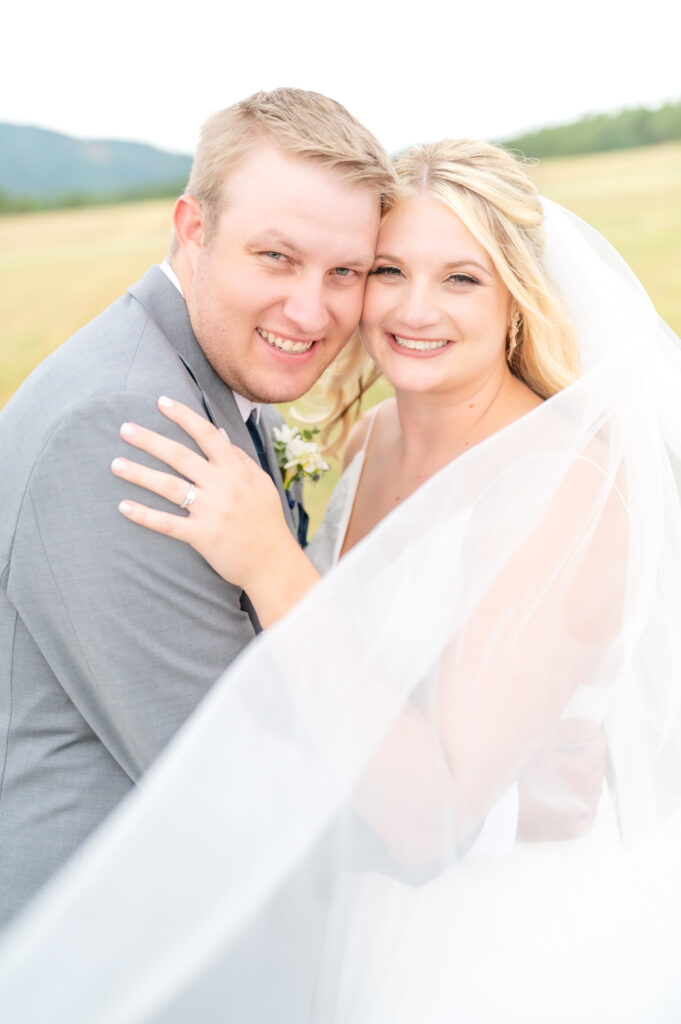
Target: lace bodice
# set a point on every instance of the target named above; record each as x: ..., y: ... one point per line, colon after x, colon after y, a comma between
x: 325, y: 547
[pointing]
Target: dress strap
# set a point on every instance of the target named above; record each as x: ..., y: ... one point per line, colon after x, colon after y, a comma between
x: 367, y: 438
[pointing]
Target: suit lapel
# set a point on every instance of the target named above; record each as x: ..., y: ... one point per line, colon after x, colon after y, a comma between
x: 164, y: 304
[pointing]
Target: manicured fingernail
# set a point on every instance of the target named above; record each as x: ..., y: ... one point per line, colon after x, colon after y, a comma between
x: 119, y: 465
x: 125, y: 507
x: 165, y: 402
x: 224, y: 433
x: 127, y: 430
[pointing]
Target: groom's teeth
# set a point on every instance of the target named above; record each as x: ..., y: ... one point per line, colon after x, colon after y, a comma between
x: 284, y: 344
x: 419, y: 346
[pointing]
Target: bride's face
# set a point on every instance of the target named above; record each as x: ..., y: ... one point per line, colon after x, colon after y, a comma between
x: 436, y: 311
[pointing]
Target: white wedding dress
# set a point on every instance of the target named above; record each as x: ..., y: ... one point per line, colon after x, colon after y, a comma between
x: 397, y: 952
x: 270, y: 866
x: 325, y: 547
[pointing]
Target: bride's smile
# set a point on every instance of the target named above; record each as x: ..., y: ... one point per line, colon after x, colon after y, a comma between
x: 417, y: 346
x: 436, y: 312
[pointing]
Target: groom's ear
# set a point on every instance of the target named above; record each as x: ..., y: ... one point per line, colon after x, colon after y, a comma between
x: 189, y: 227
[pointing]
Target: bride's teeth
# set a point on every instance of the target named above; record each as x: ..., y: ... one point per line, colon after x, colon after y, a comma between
x: 284, y: 344
x: 419, y: 346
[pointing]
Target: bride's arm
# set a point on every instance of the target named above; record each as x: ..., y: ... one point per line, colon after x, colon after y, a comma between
x: 546, y: 624
x: 501, y: 683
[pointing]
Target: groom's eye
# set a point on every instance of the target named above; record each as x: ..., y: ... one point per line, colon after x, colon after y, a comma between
x: 277, y: 256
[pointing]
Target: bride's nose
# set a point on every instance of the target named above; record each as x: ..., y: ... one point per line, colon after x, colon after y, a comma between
x: 417, y: 307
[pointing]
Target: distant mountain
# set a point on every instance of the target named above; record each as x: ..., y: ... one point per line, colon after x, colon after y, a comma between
x: 45, y: 168
x: 41, y: 168
x: 595, y: 133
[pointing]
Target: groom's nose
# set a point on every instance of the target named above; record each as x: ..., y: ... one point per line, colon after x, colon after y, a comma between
x: 306, y: 306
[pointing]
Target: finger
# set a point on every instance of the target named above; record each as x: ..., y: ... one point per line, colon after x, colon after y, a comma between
x: 178, y: 527
x: 175, y: 455
x: 585, y: 763
x: 210, y: 440
x: 584, y: 823
x: 586, y: 759
x: 576, y: 731
x: 171, y: 487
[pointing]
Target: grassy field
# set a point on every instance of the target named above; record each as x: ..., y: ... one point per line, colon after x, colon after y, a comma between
x: 634, y: 198
x: 60, y: 268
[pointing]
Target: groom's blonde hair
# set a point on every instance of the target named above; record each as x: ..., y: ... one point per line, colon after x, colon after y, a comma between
x: 301, y: 124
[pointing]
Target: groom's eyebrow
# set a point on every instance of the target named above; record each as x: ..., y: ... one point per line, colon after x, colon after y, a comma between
x: 273, y: 239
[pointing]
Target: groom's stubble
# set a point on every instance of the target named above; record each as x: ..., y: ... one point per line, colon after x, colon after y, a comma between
x: 276, y: 290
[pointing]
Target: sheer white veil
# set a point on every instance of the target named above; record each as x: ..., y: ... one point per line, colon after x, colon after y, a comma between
x: 305, y: 848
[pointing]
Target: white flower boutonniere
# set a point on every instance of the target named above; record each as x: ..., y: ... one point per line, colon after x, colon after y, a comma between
x: 298, y: 454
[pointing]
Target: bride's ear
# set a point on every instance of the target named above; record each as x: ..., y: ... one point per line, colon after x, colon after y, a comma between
x: 189, y: 227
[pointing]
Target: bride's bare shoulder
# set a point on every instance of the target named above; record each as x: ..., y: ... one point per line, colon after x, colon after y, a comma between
x: 360, y: 430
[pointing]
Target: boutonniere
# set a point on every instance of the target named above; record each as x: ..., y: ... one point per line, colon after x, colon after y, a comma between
x: 298, y: 455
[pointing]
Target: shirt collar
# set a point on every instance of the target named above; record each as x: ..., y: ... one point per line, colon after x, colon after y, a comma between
x: 172, y: 276
x: 244, y: 405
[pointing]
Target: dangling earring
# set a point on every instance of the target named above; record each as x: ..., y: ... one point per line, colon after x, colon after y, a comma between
x: 513, y: 333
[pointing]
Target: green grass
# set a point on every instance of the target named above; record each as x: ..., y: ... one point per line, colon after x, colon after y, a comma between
x: 60, y: 268
x: 633, y: 197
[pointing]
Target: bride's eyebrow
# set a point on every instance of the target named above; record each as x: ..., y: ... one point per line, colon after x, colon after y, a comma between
x: 452, y: 265
x: 456, y: 264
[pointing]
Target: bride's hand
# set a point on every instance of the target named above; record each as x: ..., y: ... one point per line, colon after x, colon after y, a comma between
x: 233, y: 517
x: 560, y: 788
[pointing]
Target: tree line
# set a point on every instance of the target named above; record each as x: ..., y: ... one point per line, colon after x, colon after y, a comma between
x: 70, y: 200
x: 627, y: 129
x: 595, y: 133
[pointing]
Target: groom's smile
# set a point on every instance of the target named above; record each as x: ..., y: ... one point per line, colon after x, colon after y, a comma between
x: 275, y: 290
x: 283, y: 344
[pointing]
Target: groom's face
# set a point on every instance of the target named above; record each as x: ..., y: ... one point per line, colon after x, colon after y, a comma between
x: 276, y: 292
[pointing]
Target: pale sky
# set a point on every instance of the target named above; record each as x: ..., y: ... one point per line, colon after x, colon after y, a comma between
x: 412, y: 72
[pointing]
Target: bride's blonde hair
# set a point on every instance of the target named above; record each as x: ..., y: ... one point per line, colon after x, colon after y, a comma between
x: 493, y: 195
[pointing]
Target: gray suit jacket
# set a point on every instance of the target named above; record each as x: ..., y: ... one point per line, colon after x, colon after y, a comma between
x: 110, y: 635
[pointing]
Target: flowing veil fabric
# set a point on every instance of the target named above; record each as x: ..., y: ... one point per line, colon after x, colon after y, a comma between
x: 304, y: 850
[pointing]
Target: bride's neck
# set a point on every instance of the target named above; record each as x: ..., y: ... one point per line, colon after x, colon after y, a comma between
x: 435, y: 427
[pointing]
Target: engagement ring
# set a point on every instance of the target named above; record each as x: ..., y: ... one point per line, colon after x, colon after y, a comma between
x: 190, y: 497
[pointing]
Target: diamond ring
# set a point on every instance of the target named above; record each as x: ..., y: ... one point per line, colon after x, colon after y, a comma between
x: 190, y: 497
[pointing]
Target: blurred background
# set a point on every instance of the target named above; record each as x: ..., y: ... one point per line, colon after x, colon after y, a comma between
x: 99, y: 116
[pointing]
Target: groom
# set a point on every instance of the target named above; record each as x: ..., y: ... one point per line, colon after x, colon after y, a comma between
x: 111, y: 635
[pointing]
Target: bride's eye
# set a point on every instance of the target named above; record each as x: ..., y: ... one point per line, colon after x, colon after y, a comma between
x: 386, y: 271
x: 462, y: 279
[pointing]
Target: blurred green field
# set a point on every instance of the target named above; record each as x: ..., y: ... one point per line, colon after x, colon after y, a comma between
x: 634, y: 198
x: 60, y: 268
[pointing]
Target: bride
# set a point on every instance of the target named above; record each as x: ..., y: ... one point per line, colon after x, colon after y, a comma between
x: 327, y: 839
